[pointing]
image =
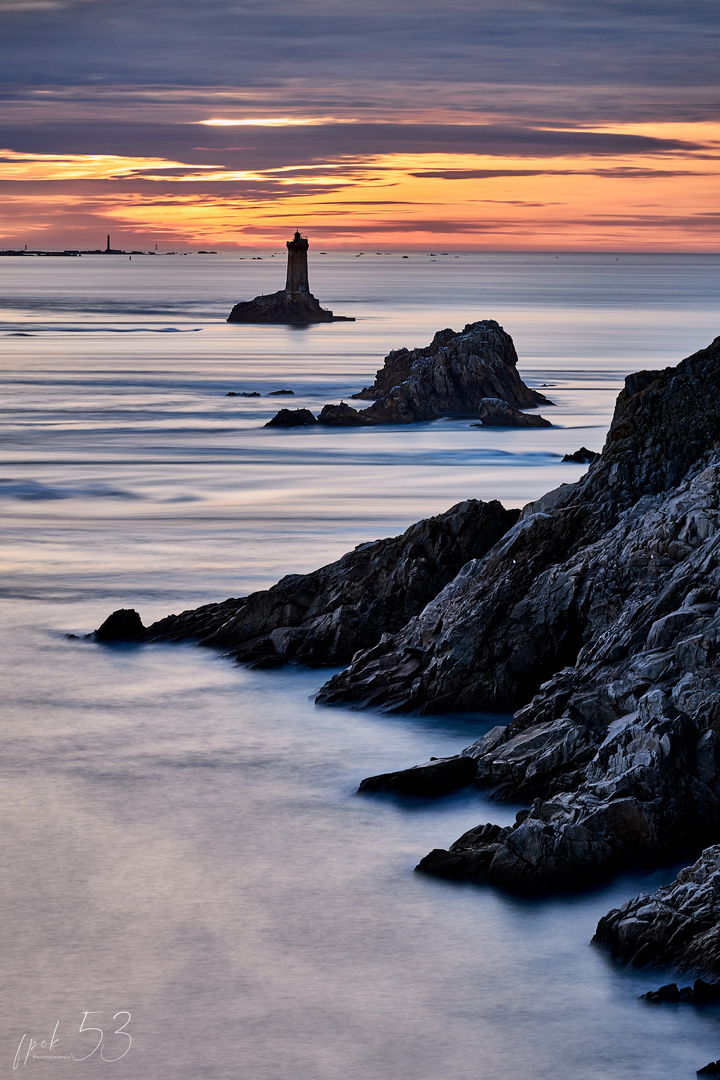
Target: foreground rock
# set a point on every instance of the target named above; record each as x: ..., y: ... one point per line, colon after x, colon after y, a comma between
x: 493, y: 412
x: 452, y: 376
x: 678, y: 925
x: 326, y: 616
x: 284, y: 307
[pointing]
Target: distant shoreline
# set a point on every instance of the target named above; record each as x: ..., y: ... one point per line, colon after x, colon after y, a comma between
x: 75, y: 252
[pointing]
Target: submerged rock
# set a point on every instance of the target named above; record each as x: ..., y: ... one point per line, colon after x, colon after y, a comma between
x: 496, y: 413
x: 326, y: 616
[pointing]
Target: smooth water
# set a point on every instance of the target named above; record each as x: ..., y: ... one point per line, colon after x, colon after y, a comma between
x: 180, y: 837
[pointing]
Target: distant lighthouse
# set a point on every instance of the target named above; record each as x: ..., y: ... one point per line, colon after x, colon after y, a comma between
x: 107, y: 249
x: 297, y: 270
x: 295, y: 304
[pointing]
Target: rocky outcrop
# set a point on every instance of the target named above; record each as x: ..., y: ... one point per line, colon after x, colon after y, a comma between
x: 283, y: 307
x: 343, y: 415
x: 679, y: 924
x: 292, y: 418
x: 326, y: 616
x: 124, y: 625
x: 451, y: 377
x: 493, y: 412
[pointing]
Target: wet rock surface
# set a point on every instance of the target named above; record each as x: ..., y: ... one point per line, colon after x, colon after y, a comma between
x: 326, y: 616
x: 679, y: 924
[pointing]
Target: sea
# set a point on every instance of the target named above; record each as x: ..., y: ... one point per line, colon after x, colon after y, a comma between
x: 190, y: 887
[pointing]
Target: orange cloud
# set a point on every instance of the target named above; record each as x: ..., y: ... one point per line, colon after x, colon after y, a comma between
x: 645, y: 201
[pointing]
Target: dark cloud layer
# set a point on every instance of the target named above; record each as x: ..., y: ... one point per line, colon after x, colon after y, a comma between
x: 275, y: 147
x: 643, y: 43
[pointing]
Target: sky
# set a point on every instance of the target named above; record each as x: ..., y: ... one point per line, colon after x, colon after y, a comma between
x: 402, y: 124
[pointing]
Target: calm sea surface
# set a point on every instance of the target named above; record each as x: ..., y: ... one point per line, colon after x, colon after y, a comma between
x: 180, y: 838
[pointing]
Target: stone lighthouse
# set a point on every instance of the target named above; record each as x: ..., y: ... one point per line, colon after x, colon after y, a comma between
x: 297, y: 271
x: 293, y: 305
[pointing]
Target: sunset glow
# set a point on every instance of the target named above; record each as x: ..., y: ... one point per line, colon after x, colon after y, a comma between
x: 522, y: 139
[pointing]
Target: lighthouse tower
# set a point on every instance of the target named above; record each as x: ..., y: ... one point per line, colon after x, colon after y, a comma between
x: 297, y: 270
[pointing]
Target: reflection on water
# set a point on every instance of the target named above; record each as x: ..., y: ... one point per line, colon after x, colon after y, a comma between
x: 180, y: 837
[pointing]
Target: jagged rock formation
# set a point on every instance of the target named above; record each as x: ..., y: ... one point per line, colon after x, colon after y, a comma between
x: 283, y: 307
x: 452, y: 376
x: 326, y: 616
x: 493, y: 412
x: 679, y: 924
x: 602, y: 607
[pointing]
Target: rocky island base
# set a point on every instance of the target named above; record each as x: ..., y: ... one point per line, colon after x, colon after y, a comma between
x: 284, y: 307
